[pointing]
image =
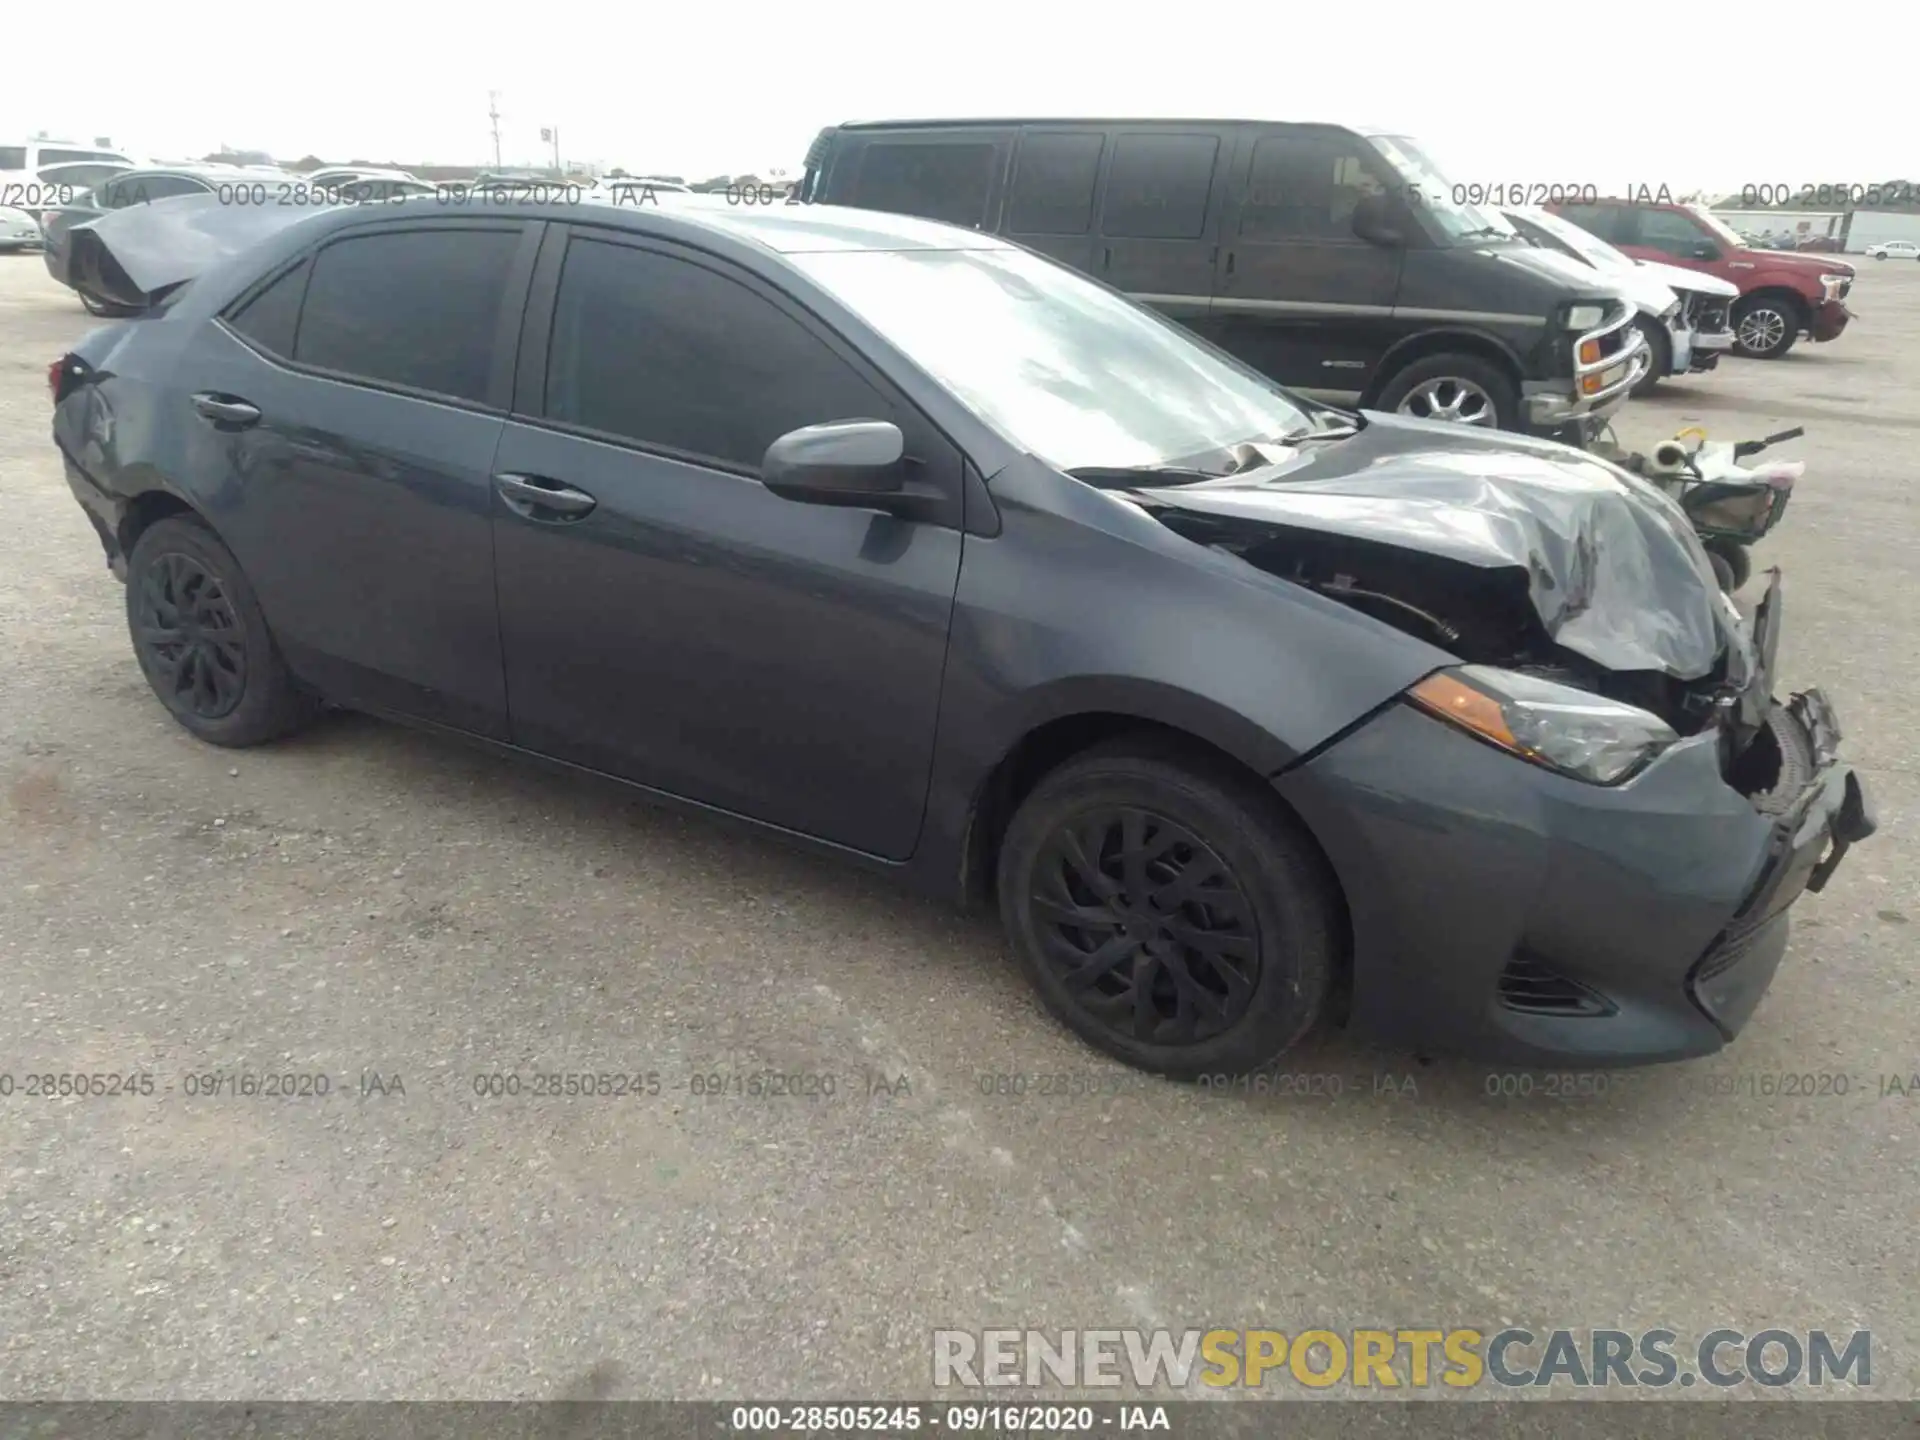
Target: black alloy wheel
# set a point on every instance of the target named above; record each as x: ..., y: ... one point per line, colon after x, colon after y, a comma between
x: 1145, y: 925
x: 190, y: 637
x: 1168, y: 909
x: 202, y: 642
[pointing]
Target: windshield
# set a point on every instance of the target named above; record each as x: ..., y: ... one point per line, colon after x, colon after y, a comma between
x: 1566, y: 236
x: 1438, y: 197
x: 1722, y: 231
x: 1064, y: 368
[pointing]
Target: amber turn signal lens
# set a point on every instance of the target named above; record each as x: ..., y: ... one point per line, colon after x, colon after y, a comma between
x: 1590, y: 352
x: 1453, y: 699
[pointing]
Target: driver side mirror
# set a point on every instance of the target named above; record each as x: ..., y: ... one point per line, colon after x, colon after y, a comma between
x: 1377, y: 220
x: 859, y: 463
x: 1705, y: 250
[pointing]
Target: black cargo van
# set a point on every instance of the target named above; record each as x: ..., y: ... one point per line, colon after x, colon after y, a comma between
x: 1336, y: 261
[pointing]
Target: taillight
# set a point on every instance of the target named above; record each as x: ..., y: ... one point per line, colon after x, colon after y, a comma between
x: 56, y: 376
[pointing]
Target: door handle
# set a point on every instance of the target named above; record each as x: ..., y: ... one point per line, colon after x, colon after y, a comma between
x: 1106, y: 257
x: 1230, y: 261
x: 529, y: 495
x: 226, y: 409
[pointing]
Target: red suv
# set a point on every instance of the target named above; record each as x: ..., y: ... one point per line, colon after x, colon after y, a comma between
x: 1781, y: 293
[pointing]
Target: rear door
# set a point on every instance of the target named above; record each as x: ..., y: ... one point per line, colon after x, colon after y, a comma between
x: 360, y: 500
x: 669, y: 619
x: 1300, y: 297
x: 1053, y: 191
x: 1163, y: 193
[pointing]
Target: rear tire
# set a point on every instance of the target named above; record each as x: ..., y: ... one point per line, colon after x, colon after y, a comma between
x: 1168, y: 912
x: 202, y: 640
x: 1765, y: 327
x: 1461, y: 388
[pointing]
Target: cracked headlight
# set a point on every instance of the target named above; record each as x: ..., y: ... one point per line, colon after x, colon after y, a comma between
x: 1574, y: 732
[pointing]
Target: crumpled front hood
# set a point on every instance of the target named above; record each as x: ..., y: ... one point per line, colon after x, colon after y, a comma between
x: 138, y: 251
x: 1613, y: 568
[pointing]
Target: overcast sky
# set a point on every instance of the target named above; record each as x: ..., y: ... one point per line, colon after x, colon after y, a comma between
x: 1499, y: 91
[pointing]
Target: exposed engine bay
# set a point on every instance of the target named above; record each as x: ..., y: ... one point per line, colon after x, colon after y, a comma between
x: 1502, y: 551
x: 1482, y: 616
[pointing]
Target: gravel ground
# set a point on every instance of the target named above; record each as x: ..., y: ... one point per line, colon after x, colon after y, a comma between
x: 370, y: 902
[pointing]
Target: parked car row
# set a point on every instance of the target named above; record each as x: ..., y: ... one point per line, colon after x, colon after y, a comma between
x: 896, y: 539
x: 1344, y: 263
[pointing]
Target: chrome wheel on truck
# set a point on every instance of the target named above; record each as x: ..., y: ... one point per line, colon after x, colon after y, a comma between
x: 1764, y: 328
x: 1461, y: 389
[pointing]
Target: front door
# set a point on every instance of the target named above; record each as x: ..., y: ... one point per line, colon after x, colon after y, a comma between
x: 1300, y: 297
x: 667, y: 618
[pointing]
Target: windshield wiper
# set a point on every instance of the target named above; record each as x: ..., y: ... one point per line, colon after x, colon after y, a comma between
x: 1493, y: 230
x: 1129, y: 474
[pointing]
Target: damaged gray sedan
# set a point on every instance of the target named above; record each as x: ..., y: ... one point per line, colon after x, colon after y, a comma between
x: 910, y: 546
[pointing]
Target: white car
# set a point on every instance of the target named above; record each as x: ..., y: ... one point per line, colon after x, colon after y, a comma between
x: 1894, y: 250
x: 1685, y: 314
x: 18, y: 229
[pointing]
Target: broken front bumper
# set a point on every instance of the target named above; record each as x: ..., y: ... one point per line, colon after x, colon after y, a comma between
x: 1599, y: 385
x: 1503, y: 911
x: 1807, y: 844
x: 1830, y: 317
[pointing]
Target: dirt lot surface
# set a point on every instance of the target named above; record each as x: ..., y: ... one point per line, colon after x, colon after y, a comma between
x: 370, y: 902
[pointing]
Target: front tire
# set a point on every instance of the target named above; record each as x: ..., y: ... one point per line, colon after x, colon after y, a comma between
x: 1660, y: 357
x: 1463, y: 389
x: 202, y: 641
x: 1765, y: 327
x: 1732, y: 563
x: 1168, y: 912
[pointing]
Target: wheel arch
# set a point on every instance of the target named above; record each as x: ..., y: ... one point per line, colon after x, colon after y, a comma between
x: 1780, y: 292
x: 1428, y: 343
x: 1051, y: 743
x: 146, y: 509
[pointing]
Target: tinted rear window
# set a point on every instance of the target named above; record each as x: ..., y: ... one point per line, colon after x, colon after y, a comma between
x: 53, y: 155
x: 13, y: 157
x: 270, y: 317
x: 418, y: 308
x: 937, y: 180
x: 1157, y: 186
x: 1053, y: 182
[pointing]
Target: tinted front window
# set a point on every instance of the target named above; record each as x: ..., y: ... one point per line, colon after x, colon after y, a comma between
x: 938, y: 181
x: 669, y: 353
x: 269, y: 318
x: 1053, y: 180
x: 1304, y: 187
x: 1157, y: 186
x: 1669, y: 231
x: 418, y: 308
x: 1060, y: 365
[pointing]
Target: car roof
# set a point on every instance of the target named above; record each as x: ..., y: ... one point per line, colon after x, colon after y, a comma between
x: 1004, y: 121
x: 204, y: 172
x: 780, y: 229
